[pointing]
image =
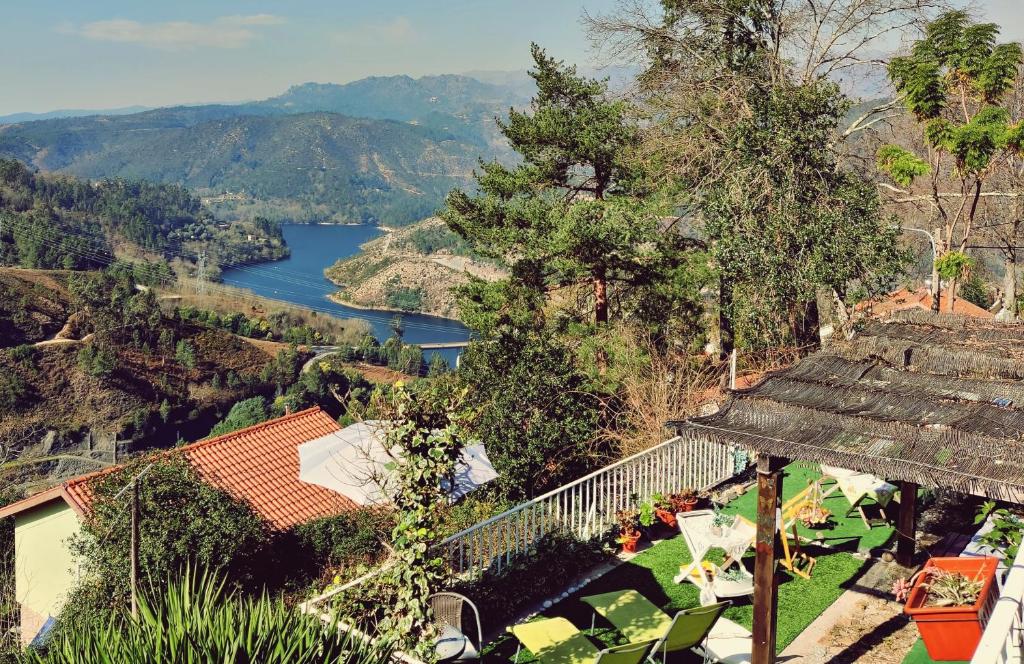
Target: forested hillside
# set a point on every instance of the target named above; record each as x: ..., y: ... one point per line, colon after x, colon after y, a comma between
x: 293, y: 156
x: 63, y: 222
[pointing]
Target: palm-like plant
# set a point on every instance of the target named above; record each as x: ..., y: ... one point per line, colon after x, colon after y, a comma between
x: 196, y: 619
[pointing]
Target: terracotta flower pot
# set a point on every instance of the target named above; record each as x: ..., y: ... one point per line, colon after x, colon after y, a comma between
x: 688, y: 505
x: 629, y: 542
x: 953, y: 632
x: 666, y: 517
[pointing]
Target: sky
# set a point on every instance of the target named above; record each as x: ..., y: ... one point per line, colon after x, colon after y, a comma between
x: 105, y: 54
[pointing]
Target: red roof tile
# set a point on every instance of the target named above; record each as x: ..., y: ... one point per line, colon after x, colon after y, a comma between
x: 921, y: 299
x: 259, y: 464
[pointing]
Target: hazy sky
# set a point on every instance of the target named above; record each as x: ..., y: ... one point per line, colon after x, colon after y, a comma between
x: 111, y: 53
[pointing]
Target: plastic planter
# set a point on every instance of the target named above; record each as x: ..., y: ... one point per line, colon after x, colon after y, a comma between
x: 666, y: 517
x: 629, y: 542
x: 952, y: 632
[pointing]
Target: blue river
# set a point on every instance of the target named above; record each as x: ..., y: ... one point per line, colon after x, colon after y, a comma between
x: 299, y: 279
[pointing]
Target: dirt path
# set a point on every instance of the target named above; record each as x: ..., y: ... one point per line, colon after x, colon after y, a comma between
x: 58, y: 340
x: 859, y: 627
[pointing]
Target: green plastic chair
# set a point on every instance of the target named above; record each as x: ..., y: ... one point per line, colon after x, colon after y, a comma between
x: 690, y: 629
x: 558, y: 641
x: 638, y: 619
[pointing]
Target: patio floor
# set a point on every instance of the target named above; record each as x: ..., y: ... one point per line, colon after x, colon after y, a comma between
x: 651, y: 572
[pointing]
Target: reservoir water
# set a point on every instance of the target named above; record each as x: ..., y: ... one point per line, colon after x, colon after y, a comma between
x: 299, y: 279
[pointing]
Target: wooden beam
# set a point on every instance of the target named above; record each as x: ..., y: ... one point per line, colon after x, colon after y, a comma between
x: 906, y: 524
x: 766, y: 589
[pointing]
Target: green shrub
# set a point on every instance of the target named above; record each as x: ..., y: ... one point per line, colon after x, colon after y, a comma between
x: 196, y: 618
x: 529, y: 577
x: 337, y: 545
x: 14, y: 392
x: 244, y: 413
x: 25, y: 353
x: 183, y: 520
x: 185, y: 354
x: 402, y: 297
x: 97, y: 361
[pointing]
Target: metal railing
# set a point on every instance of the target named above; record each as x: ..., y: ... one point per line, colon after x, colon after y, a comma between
x: 1002, y: 640
x: 586, y: 507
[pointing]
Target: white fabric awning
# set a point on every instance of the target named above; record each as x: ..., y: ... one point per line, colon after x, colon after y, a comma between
x: 353, y: 463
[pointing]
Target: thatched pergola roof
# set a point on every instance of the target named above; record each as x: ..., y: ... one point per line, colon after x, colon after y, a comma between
x: 937, y: 400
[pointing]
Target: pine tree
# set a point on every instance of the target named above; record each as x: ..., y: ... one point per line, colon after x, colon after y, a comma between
x: 566, y: 215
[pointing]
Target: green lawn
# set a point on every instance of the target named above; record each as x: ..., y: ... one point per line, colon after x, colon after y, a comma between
x: 800, y: 600
x: 919, y: 655
x: 651, y: 572
x: 846, y: 533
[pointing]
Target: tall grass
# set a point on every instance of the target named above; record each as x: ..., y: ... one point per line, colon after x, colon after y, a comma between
x: 196, y: 620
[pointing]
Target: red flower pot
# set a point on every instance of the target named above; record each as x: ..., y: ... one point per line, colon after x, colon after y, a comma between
x: 666, y: 517
x: 953, y: 632
x: 629, y: 542
x: 688, y: 505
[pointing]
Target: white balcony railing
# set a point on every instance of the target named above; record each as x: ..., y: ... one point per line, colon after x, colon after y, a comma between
x: 1002, y: 640
x: 586, y: 508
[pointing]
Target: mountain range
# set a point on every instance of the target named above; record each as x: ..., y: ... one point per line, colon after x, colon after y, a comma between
x: 378, y: 150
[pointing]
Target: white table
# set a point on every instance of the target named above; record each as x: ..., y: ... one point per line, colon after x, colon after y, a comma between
x: 701, y: 537
x: 450, y: 644
x: 860, y: 487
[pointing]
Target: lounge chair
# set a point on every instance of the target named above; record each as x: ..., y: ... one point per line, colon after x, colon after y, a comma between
x: 701, y: 629
x: 558, y: 641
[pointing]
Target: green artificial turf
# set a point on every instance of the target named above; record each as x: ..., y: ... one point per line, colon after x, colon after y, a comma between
x: 846, y: 533
x: 919, y: 655
x: 651, y: 572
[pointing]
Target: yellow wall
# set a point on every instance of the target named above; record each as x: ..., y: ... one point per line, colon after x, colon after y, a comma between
x: 45, y: 570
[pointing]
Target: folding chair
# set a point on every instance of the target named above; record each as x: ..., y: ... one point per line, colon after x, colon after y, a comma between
x: 701, y: 629
x: 558, y: 641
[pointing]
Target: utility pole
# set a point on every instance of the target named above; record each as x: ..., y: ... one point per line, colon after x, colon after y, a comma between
x: 936, y: 281
x: 201, y: 273
x: 135, y: 549
x: 934, y: 238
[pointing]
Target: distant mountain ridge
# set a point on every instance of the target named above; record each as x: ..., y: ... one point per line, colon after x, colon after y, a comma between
x: 69, y: 113
x: 377, y: 150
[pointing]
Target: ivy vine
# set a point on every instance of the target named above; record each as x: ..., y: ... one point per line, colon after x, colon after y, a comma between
x: 424, y: 440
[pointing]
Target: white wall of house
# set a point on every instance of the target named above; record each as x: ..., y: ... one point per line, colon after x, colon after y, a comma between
x: 45, y: 570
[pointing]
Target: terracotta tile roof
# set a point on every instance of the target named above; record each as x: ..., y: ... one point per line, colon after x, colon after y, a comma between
x: 921, y: 299
x: 259, y: 464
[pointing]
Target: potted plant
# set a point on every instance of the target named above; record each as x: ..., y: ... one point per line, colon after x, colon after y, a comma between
x: 947, y: 600
x: 629, y: 529
x: 645, y: 516
x: 683, y: 501
x: 813, y: 516
x: 733, y: 582
x: 663, y: 510
x: 720, y: 522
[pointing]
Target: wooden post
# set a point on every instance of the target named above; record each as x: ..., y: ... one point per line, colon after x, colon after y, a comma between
x: 766, y: 590
x: 134, y: 554
x: 906, y: 524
